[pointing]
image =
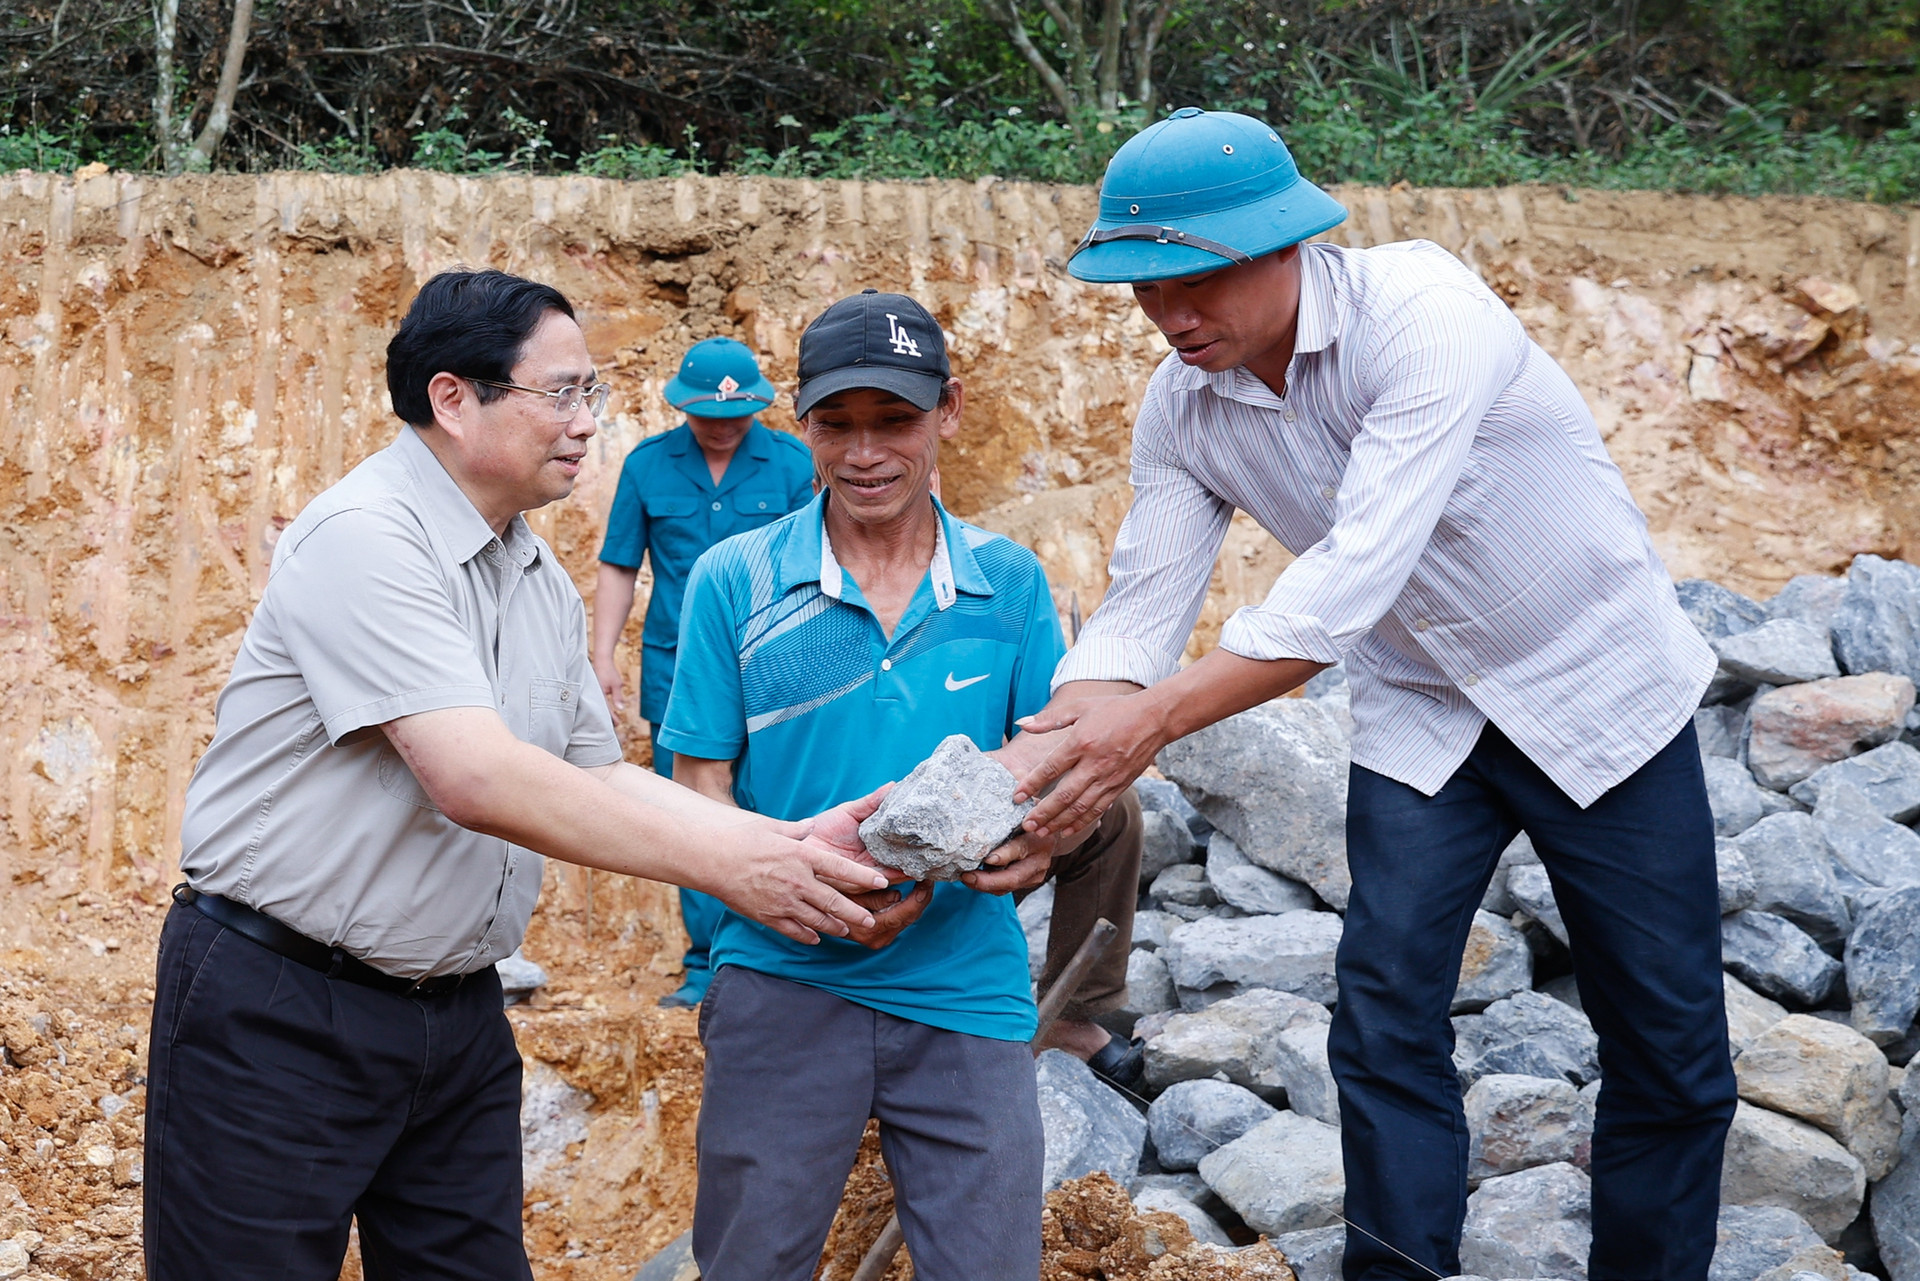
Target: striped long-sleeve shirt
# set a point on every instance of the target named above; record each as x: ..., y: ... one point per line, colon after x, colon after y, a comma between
x: 1464, y: 542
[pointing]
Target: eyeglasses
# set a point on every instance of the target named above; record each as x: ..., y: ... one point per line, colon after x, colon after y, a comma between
x: 566, y: 401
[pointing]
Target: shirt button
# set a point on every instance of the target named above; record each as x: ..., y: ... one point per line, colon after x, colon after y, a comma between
x: 566, y: 695
x: 1289, y: 415
x: 886, y: 664
x: 1328, y: 492
x: 763, y: 506
x: 716, y: 506
x: 1421, y: 624
x: 1471, y: 679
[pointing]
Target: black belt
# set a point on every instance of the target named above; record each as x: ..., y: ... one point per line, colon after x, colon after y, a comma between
x: 330, y: 961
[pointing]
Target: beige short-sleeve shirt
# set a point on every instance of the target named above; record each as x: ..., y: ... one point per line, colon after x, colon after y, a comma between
x: 389, y: 595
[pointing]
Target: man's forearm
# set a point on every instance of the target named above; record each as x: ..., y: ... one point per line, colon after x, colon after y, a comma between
x: 712, y: 779
x: 1220, y: 685
x: 613, y: 593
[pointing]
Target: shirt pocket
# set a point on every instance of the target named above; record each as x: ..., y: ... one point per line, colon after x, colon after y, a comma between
x: 752, y: 510
x: 550, y: 716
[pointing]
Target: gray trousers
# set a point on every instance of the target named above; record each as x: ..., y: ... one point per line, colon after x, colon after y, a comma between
x: 792, y: 1075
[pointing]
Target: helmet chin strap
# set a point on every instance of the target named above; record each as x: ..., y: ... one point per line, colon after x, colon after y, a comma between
x: 1160, y: 235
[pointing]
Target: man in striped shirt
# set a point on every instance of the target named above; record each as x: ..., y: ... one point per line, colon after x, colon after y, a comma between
x: 1518, y: 661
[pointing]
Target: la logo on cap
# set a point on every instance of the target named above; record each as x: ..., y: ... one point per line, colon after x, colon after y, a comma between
x: 903, y: 343
x: 726, y: 388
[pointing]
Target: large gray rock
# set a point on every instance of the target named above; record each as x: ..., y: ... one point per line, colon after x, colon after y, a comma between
x: 1291, y: 952
x: 1192, y: 1118
x: 1536, y: 1223
x: 1183, y: 885
x: 1896, y: 1198
x: 1519, y: 851
x: 1774, y: 956
x: 1239, y: 882
x: 1529, y: 1034
x: 1518, y: 1122
x: 1497, y: 963
x: 1149, y: 989
x: 675, y: 1262
x: 1532, y: 889
x: 1284, y: 1175
x: 1883, y: 967
x: 1830, y: 1075
x: 1314, y: 1255
x: 1720, y: 730
x: 1198, y: 1221
x: 1781, y: 651
x: 1733, y: 876
x: 1718, y: 611
x: 1274, y: 778
x: 1793, y: 875
x: 1036, y: 922
x: 519, y: 977
x: 1151, y: 929
x: 1812, y: 599
x: 1300, y: 1058
x: 1165, y: 794
x: 1889, y: 777
x: 1867, y: 847
x: 1087, y: 1125
x: 1795, y: 731
x: 948, y: 814
x: 1237, y: 1038
x: 1777, y: 1160
x: 1748, y: 1013
x: 1732, y: 795
x: 1877, y: 625
x: 1164, y: 842
x: 1750, y: 1240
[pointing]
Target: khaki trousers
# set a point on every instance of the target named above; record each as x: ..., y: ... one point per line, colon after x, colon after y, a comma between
x: 1099, y: 876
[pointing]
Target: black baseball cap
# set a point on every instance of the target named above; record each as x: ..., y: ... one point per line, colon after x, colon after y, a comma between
x: 884, y: 341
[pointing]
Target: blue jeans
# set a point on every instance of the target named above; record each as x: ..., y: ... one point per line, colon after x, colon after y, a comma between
x: 1634, y: 877
x: 700, y: 913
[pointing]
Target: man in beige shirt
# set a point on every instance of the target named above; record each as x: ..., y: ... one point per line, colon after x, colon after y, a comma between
x: 410, y: 724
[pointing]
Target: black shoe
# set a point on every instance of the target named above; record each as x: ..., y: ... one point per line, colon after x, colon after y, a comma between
x: 1120, y: 1063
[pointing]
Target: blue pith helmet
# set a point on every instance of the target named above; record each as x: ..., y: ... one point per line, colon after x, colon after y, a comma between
x: 719, y: 378
x: 1196, y: 192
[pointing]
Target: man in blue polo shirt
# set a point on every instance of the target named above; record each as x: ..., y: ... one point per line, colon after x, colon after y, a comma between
x: 717, y: 474
x: 824, y: 656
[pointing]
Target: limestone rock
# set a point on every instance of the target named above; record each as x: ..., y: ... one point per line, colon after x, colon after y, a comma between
x: 1868, y: 849
x: 1718, y: 611
x: 1776, y: 1160
x: 1497, y: 963
x: 1751, y: 1240
x: 1151, y: 929
x: 1529, y: 1034
x: 1518, y: 1122
x: 1314, y: 1255
x: 1274, y: 778
x: 519, y: 977
x: 674, y: 1263
x: 1236, y: 1037
x: 1830, y: 1075
x: 1888, y: 776
x: 1536, y: 1223
x: 1184, y: 884
x: 1774, y: 956
x: 1812, y: 599
x: 1192, y: 1118
x: 1533, y: 891
x: 1164, y: 794
x: 1798, y: 729
x: 1036, y: 922
x: 948, y: 814
x: 1748, y: 1013
x: 1284, y: 1175
x: 1781, y: 651
x: 1198, y: 1221
x: 1720, y: 730
x: 1238, y: 881
x: 1883, y: 967
x: 1732, y: 795
x: 1291, y: 952
x: 1300, y: 1059
x: 1877, y: 625
x: 553, y: 1117
x: 1734, y: 876
x: 1896, y: 1198
x: 1497, y: 900
x: 1793, y: 875
x: 1149, y: 989
x: 1164, y: 842
x: 1087, y: 1125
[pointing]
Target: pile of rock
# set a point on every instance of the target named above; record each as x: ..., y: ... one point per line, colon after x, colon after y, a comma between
x: 1808, y: 737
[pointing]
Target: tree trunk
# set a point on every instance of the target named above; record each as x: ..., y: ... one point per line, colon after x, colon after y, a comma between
x: 201, y: 156
x: 166, y: 23
x: 1112, y: 24
x: 1157, y: 12
x: 1007, y: 15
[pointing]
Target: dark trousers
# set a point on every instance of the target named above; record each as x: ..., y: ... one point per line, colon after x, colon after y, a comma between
x: 1634, y: 877
x: 1098, y: 877
x: 282, y: 1104
x: 792, y: 1075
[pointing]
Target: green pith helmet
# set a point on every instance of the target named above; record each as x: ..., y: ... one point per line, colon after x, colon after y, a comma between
x: 1199, y: 191
x: 719, y: 378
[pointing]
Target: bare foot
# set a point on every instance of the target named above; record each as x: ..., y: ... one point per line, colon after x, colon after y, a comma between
x: 1080, y: 1038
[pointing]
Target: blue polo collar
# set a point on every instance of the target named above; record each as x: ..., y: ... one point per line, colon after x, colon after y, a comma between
x: 808, y: 557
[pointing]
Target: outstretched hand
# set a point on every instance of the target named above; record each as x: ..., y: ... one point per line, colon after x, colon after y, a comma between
x: 1097, y: 747
x: 780, y: 875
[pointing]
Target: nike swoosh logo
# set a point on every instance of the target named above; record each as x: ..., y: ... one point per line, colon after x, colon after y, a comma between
x: 953, y: 684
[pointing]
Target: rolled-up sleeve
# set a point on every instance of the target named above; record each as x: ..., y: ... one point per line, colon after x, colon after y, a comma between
x: 1433, y: 375
x: 1162, y: 562
x: 369, y: 620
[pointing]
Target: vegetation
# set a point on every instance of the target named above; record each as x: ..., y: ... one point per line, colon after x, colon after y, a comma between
x: 1742, y: 96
